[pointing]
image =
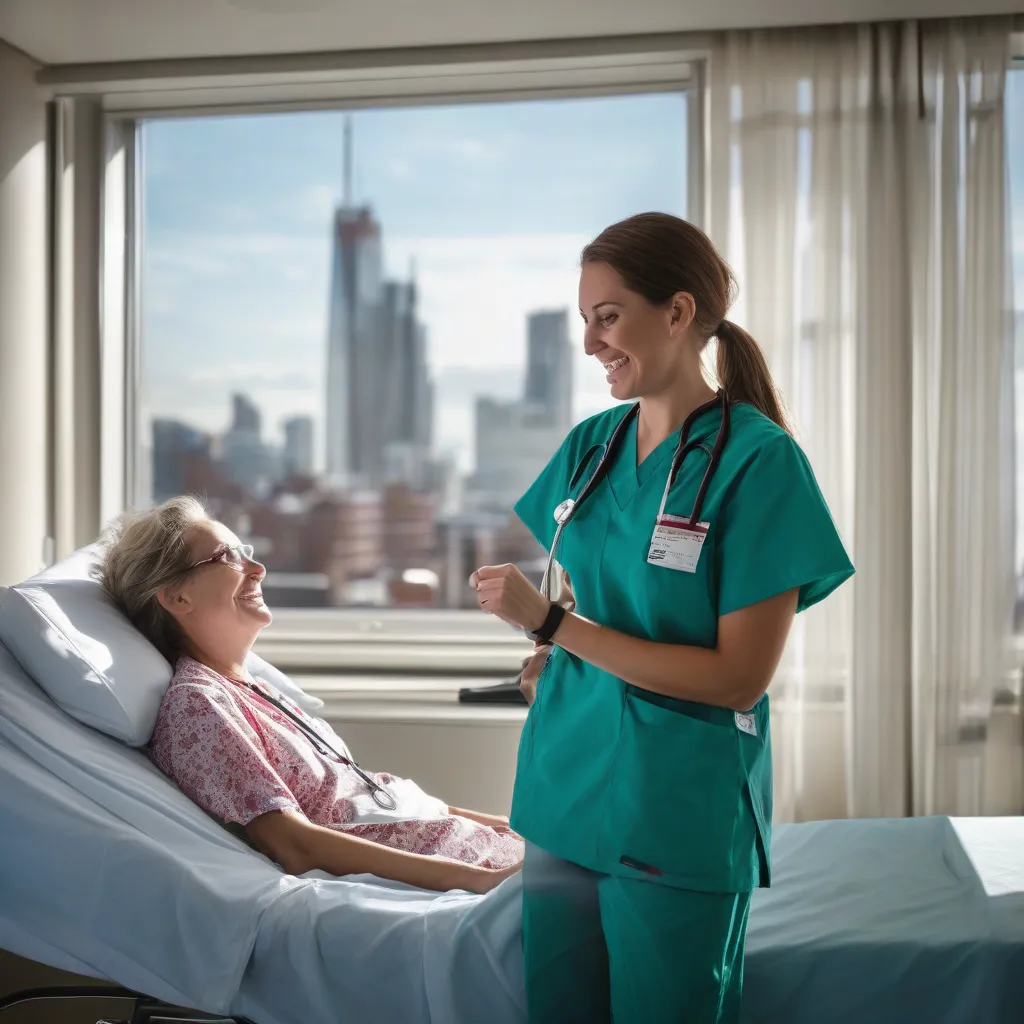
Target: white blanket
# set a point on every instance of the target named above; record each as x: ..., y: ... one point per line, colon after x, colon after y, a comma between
x: 109, y: 870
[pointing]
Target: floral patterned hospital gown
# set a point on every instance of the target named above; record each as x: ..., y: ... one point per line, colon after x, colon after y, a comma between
x: 237, y: 757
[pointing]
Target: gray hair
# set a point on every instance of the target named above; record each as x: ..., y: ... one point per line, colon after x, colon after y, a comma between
x: 146, y: 552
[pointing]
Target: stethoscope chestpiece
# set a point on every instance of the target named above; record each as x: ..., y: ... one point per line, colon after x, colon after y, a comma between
x: 563, y: 511
x: 384, y: 798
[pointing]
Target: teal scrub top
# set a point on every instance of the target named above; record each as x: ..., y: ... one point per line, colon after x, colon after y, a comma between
x: 625, y: 781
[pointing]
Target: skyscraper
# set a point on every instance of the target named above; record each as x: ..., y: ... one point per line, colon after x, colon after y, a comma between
x: 176, y: 446
x: 298, y: 446
x: 244, y: 414
x: 379, y: 394
x: 513, y: 442
x: 515, y: 439
x: 549, y: 366
x: 351, y: 349
x: 406, y: 411
x: 247, y: 460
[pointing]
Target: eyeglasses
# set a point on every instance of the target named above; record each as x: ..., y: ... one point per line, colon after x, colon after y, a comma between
x: 233, y: 557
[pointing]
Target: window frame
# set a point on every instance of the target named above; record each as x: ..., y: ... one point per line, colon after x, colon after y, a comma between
x: 324, y: 640
x: 1014, y: 693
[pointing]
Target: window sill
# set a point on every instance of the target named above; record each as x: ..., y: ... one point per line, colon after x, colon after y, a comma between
x: 392, y: 699
x: 416, y: 642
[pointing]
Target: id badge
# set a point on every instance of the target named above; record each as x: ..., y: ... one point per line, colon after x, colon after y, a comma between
x: 676, y: 544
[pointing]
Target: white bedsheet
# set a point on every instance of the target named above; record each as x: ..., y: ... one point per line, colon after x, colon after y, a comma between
x: 106, y: 860
x: 109, y: 870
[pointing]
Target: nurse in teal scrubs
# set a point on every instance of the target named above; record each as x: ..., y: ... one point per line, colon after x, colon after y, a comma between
x: 644, y: 779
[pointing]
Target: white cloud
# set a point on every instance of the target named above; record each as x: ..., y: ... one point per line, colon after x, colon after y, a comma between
x: 400, y: 170
x: 249, y: 313
x: 191, y: 257
x: 253, y: 375
x: 475, y: 296
x: 316, y: 205
x: 475, y: 293
x: 475, y: 151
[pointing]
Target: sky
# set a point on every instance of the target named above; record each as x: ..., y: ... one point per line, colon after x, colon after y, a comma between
x: 489, y: 206
x: 489, y: 203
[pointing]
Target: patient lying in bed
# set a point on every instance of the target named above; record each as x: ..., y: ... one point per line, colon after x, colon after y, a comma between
x: 246, y: 754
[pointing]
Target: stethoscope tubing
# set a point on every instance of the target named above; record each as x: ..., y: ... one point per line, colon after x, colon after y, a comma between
x: 382, y: 796
x: 566, y: 510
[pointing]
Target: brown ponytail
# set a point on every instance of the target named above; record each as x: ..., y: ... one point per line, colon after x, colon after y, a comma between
x: 743, y: 372
x: 658, y: 256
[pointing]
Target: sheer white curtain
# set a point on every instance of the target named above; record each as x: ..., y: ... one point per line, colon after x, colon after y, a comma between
x: 856, y: 181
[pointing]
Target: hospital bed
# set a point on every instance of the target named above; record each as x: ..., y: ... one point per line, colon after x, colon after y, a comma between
x: 109, y: 871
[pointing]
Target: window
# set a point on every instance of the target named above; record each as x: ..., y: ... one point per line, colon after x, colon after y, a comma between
x: 358, y: 331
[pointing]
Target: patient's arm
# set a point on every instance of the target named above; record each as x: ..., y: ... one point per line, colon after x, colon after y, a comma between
x: 298, y: 846
x: 494, y: 820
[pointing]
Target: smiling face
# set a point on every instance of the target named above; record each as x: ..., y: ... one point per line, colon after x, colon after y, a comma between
x: 643, y: 347
x: 219, y: 604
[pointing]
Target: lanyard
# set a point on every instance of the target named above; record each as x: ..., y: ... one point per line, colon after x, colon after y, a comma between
x: 382, y: 796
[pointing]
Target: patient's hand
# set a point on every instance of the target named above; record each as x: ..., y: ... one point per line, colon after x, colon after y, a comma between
x: 485, y: 879
x: 532, y: 667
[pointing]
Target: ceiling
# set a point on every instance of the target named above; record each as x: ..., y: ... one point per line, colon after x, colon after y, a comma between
x: 91, y: 31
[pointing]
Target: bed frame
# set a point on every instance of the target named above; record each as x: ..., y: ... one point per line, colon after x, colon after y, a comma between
x: 144, y: 1009
x: 68, y: 994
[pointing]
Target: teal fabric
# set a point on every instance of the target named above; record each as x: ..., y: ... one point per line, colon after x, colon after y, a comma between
x: 608, y: 774
x: 600, y: 948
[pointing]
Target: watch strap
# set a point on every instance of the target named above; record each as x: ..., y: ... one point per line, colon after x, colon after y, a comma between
x: 549, y: 626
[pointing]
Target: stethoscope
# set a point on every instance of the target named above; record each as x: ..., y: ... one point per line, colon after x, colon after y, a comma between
x: 567, y: 509
x: 382, y: 796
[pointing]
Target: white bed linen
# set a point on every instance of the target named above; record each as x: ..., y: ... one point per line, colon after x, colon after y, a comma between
x: 109, y: 862
x: 110, y: 871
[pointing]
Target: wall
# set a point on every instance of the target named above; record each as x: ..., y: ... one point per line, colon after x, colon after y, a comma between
x: 113, y: 30
x: 23, y: 319
x: 464, y: 755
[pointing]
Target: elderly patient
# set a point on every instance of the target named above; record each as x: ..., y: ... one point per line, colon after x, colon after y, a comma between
x: 247, y: 755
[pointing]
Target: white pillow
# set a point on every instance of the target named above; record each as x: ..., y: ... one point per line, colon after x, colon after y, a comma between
x: 78, y: 646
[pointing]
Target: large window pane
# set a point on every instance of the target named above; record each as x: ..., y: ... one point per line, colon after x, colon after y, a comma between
x: 360, y: 339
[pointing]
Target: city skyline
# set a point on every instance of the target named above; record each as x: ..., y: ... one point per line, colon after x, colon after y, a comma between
x: 492, y: 203
x: 238, y: 241
x: 243, y: 448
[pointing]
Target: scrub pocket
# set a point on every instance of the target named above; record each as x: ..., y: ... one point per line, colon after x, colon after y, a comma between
x: 678, y: 808
x: 526, y: 739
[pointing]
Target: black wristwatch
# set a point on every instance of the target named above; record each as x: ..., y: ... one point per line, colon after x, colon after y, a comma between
x: 548, y: 627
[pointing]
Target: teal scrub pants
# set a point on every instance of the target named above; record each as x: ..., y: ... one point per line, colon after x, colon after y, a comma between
x: 601, y: 948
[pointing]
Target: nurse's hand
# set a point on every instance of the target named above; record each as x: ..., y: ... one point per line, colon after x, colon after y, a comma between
x: 532, y: 667
x: 504, y: 591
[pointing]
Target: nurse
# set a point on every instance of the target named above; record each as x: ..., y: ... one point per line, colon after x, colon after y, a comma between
x: 644, y: 780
